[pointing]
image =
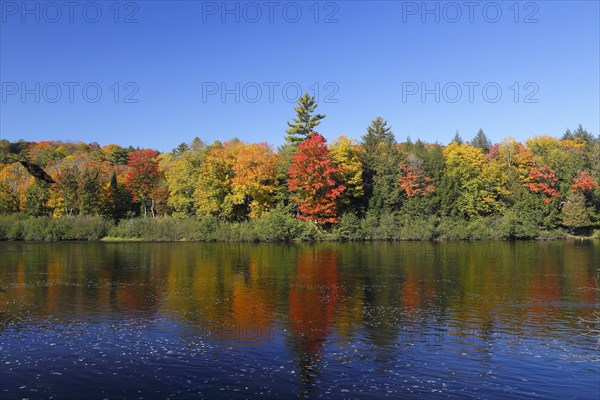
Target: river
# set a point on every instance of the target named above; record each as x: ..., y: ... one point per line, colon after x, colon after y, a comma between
x: 493, y: 320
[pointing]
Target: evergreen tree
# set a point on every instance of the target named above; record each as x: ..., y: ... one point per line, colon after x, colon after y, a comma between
x: 89, y: 202
x: 381, y: 167
x: 481, y: 141
x: 305, y: 120
x: 179, y: 150
x: 457, y: 138
x: 377, y: 132
x: 579, y: 133
x: 117, y: 199
x: 118, y: 155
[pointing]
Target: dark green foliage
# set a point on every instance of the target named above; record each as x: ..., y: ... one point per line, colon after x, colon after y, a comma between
x: 274, y: 226
x: 118, y: 155
x: 305, y: 120
x: 20, y: 227
x: 115, y: 205
x: 580, y: 134
x: 381, y: 167
x: 349, y: 227
x: 36, y: 199
x: 457, y: 138
x: 481, y: 141
x: 89, y: 195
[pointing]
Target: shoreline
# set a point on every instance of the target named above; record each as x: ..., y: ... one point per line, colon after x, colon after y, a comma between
x: 278, y: 227
x: 112, y: 239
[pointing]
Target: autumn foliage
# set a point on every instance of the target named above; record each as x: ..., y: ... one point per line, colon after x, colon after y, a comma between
x: 312, y: 182
x: 373, y: 187
x: 254, y: 175
x: 413, y: 179
x: 584, y: 182
x: 142, y: 174
x: 543, y: 180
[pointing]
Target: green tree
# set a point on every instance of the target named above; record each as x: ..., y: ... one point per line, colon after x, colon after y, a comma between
x: 305, y: 120
x: 381, y: 167
x: 457, y: 138
x: 580, y: 134
x: 36, y: 199
x: 575, y: 215
x: 116, y: 199
x: 481, y: 141
x: 117, y: 155
x: 89, y: 199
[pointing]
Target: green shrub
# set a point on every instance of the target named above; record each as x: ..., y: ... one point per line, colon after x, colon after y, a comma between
x: 349, y: 228
x: 417, y: 228
x: 278, y: 225
x: 19, y: 227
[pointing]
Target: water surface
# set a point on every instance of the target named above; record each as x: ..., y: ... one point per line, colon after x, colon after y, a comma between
x: 495, y: 320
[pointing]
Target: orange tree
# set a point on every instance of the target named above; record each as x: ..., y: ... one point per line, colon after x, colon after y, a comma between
x: 312, y: 182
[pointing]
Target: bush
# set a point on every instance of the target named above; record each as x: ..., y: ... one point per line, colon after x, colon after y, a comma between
x: 483, y: 228
x: 515, y: 226
x: 278, y: 225
x: 20, y: 227
x: 349, y: 228
x: 417, y: 228
x: 11, y: 227
x: 274, y: 226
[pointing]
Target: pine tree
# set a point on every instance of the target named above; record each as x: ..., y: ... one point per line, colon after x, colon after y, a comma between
x: 305, y: 120
x: 377, y: 132
x: 380, y: 166
x: 580, y: 134
x: 116, y: 199
x: 481, y: 141
x: 457, y: 138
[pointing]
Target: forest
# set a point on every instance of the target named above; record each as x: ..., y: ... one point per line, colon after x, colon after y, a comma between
x: 376, y: 188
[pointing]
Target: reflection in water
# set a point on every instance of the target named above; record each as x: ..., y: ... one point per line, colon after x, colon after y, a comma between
x: 313, y: 295
x: 331, y: 320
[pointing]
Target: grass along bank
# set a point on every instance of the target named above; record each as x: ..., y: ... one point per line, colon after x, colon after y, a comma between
x: 274, y: 226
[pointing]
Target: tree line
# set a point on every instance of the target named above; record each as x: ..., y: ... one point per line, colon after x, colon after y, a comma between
x: 542, y: 185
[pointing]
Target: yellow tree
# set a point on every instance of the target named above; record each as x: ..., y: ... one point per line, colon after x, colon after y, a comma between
x: 14, y: 182
x: 214, y: 192
x: 254, y: 177
x: 346, y: 155
x: 181, y: 174
x: 482, y: 183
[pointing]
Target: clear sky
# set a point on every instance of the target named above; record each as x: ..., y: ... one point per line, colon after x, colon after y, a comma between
x: 162, y: 68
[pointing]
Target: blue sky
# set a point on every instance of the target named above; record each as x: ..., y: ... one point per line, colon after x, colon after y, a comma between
x: 161, y: 74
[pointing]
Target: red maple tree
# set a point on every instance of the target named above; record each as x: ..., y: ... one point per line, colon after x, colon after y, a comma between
x: 142, y: 175
x: 543, y: 180
x: 312, y: 181
x: 584, y: 182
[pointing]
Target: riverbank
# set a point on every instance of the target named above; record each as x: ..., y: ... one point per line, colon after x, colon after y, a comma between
x: 273, y: 227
